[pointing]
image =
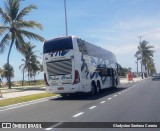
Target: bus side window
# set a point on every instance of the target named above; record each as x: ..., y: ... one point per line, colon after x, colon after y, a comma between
x: 110, y: 72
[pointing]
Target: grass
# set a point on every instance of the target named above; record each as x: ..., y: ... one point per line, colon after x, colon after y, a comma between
x: 38, y: 82
x: 26, y: 83
x: 16, y: 100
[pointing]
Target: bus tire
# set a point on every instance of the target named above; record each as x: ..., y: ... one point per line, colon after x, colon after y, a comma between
x: 98, y: 89
x: 93, y: 89
x: 114, y: 83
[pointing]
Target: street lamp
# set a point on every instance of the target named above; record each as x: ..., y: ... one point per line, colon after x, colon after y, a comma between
x: 65, y: 17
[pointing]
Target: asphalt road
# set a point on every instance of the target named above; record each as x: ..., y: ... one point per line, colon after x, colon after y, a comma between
x: 133, y: 102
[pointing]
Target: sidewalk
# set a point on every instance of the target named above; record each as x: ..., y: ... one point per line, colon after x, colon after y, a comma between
x: 21, y: 91
x: 29, y: 90
x: 125, y: 80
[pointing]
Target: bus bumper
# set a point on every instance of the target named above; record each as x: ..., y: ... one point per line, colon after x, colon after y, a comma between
x: 65, y: 89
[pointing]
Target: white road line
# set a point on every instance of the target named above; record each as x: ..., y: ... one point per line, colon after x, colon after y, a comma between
x: 47, y: 129
x: 102, y: 102
x: 92, y: 107
x: 109, y: 98
x: 114, y: 95
x: 22, y: 105
x: 78, y: 114
x: 119, y: 93
x: 14, y: 106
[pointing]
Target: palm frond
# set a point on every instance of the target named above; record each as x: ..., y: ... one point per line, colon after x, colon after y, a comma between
x: 19, y: 42
x: 12, y: 7
x: 4, y: 42
x: 22, y: 66
x: 4, y: 16
x: 31, y: 35
x: 28, y: 24
x: 25, y: 11
x: 3, y: 28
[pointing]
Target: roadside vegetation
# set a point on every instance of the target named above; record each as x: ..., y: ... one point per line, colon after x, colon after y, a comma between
x: 21, y: 99
x: 145, y: 55
x: 36, y: 83
x: 4, y: 71
x: 30, y: 65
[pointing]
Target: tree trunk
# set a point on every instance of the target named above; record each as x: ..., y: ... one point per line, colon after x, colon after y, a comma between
x: 142, y: 69
x: 23, y: 77
x: 146, y: 71
x: 9, y: 72
x: 137, y: 67
x: 28, y: 78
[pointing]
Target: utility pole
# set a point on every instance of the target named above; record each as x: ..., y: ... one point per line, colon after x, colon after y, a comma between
x: 141, y: 58
x: 137, y: 66
x: 65, y: 17
x: 140, y: 38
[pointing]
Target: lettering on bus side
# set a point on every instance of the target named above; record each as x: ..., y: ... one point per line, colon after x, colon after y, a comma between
x: 99, y: 66
x: 53, y: 78
x: 66, y: 77
x: 58, y: 53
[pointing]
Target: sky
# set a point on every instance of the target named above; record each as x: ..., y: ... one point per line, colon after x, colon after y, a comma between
x: 114, y: 25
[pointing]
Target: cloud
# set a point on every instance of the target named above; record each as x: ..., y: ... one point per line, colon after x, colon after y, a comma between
x: 124, y: 34
x: 124, y: 49
x: 122, y: 38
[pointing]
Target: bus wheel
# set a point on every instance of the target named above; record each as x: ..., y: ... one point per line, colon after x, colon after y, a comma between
x: 98, y: 88
x: 93, y: 90
x: 114, y: 84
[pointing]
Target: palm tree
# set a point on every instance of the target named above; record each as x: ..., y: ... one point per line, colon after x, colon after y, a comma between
x: 36, y: 68
x: 0, y: 72
x: 150, y: 66
x: 145, y: 53
x: 14, y: 27
x: 33, y: 67
x: 6, y: 72
x: 138, y: 58
x: 29, y: 60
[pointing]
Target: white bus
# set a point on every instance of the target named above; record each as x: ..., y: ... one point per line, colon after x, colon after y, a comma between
x: 72, y: 65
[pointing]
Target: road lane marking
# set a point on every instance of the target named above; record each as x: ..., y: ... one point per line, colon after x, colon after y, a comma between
x: 92, y: 107
x: 119, y: 93
x: 102, y: 102
x: 47, y: 129
x: 114, y: 95
x: 14, y: 106
x: 78, y: 114
x: 109, y: 98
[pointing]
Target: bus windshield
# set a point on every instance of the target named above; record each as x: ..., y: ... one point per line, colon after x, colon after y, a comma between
x: 58, y: 44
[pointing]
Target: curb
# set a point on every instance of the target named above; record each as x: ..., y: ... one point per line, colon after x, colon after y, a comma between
x: 13, y: 106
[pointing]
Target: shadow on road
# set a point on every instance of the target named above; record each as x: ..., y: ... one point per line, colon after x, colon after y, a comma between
x: 105, y: 93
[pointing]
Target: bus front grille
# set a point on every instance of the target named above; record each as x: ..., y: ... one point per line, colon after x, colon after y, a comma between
x: 59, y: 68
